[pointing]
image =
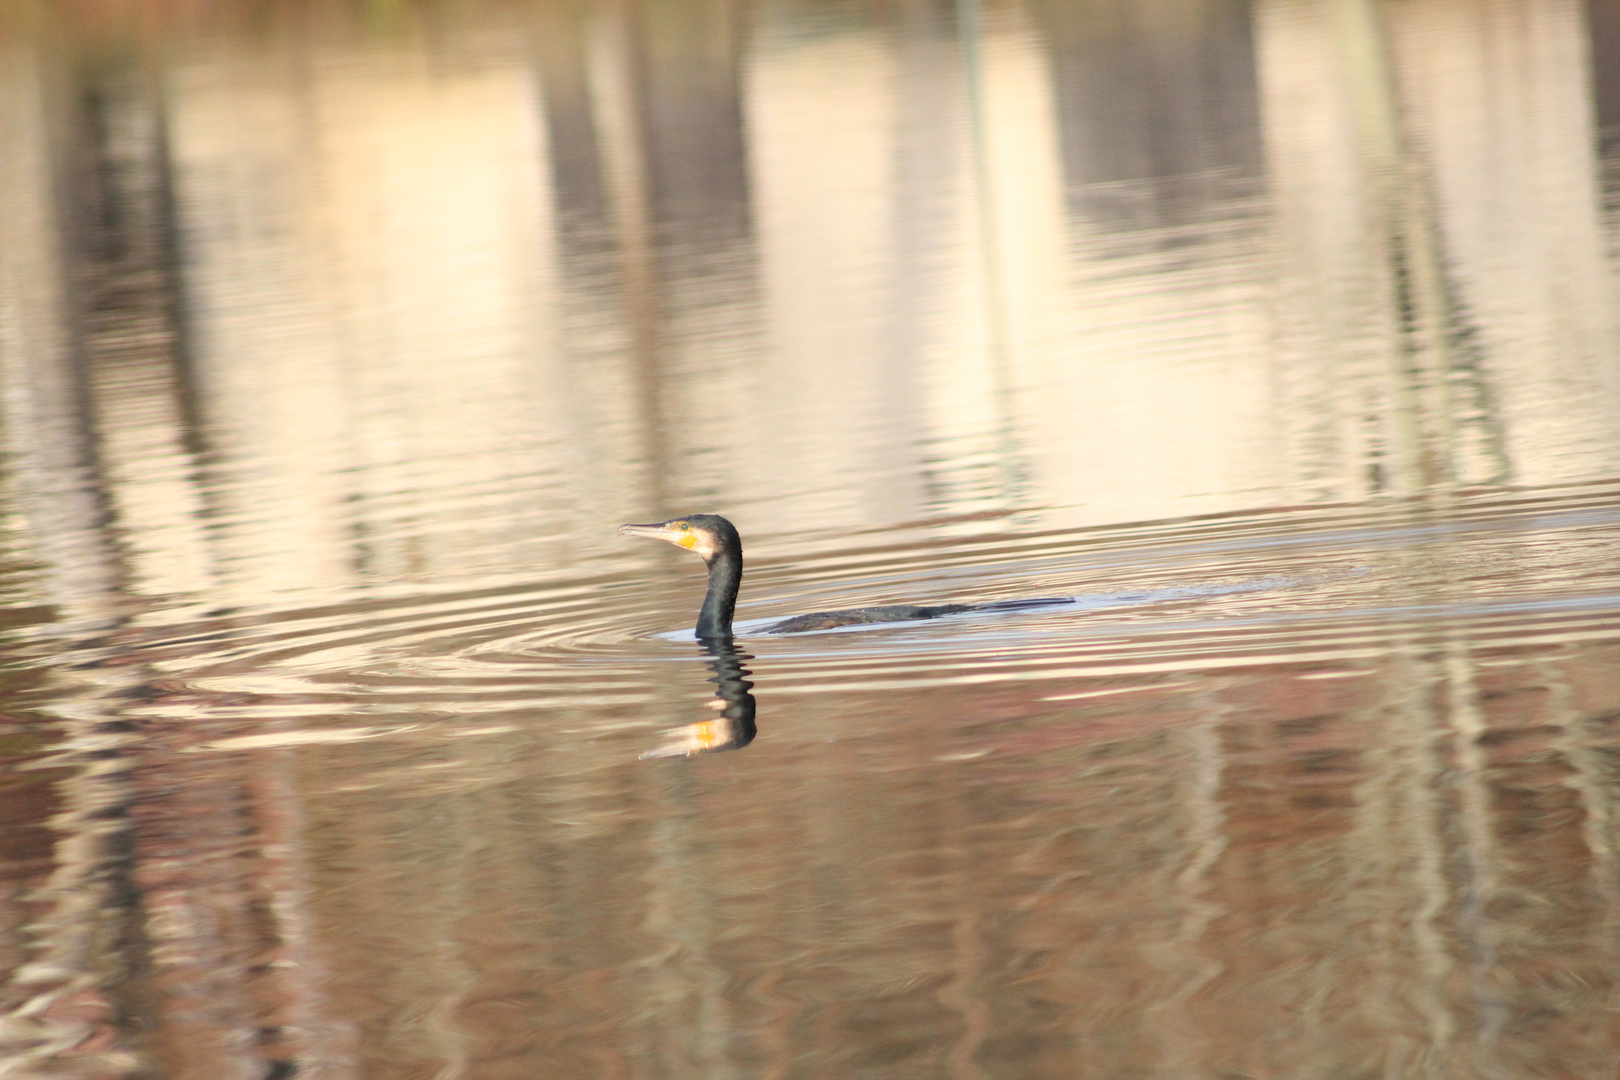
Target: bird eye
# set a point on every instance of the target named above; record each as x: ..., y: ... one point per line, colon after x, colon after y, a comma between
x: 685, y: 527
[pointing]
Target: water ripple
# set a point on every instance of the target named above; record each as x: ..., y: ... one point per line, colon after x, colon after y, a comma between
x: 1313, y: 585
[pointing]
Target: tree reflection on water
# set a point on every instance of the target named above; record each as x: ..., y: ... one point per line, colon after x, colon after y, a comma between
x: 335, y: 338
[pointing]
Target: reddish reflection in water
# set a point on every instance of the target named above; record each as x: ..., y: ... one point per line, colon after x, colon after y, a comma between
x: 1358, y: 822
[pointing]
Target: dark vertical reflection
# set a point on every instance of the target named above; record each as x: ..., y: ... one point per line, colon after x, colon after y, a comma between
x: 70, y: 944
x: 74, y: 941
x: 598, y: 330
x: 135, y: 341
x: 701, y: 218
x: 1161, y: 91
x: 561, y: 43
x: 1442, y: 400
x: 175, y: 846
x: 1603, y: 23
x: 697, y: 164
x: 644, y: 113
x: 611, y: 37
x: 1353, y: 99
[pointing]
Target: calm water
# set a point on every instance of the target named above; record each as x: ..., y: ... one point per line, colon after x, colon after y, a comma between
x: 341, y: 737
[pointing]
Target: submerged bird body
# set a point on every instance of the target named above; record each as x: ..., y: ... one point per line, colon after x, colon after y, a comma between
x: 716, y: 540
x: 827, y: 620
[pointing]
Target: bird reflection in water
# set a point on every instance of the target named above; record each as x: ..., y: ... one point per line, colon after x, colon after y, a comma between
x: 733, y: 728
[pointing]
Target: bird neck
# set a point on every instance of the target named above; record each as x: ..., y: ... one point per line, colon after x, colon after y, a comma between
x: 725, y: 575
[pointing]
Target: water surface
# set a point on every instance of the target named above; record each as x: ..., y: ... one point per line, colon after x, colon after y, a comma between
x: 341, y: 736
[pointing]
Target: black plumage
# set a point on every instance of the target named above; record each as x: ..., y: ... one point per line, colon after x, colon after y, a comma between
x: 716, y: 540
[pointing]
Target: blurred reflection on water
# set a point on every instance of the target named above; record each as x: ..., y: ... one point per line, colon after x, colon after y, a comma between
x: 335, y: 340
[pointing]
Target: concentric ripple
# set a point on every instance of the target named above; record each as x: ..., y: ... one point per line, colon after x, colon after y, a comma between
x: 1306, y: 586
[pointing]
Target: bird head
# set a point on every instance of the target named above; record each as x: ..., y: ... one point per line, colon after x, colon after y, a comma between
x: 706, y: 534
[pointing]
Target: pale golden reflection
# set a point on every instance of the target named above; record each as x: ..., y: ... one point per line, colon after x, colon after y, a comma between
x: 339, y: 737
x: 371, y: 255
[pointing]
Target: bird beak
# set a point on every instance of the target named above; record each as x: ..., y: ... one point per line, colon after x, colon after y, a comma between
x: 660, y: 531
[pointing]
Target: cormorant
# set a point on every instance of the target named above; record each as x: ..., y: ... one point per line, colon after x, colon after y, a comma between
x: 715, y: 539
